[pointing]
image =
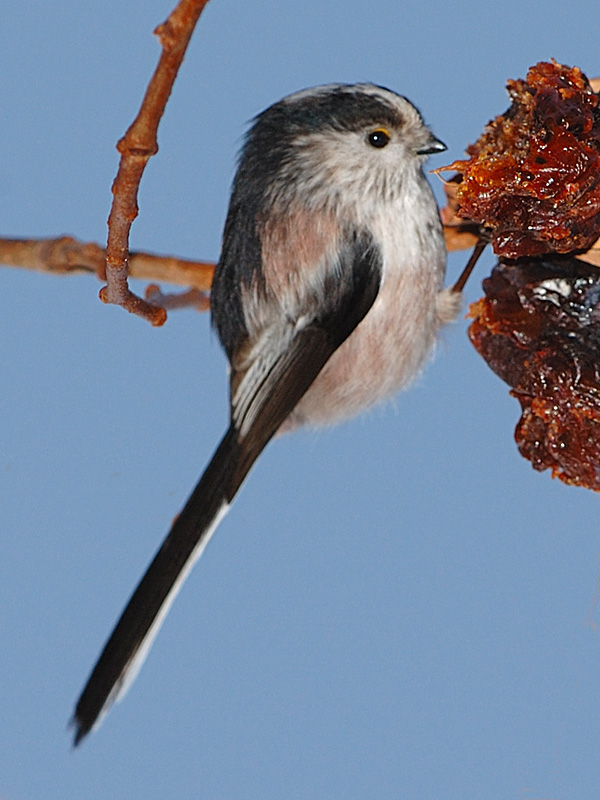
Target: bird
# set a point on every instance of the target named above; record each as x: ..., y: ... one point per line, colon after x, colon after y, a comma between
x: 327, y: 299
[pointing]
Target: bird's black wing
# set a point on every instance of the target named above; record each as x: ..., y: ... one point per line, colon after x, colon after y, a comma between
x: 267, y: 395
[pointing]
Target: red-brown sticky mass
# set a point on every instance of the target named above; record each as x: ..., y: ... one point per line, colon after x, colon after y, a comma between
x: 538, y: 328
x: 533, y: 177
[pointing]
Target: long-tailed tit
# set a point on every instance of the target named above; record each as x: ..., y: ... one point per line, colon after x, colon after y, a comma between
x: 327, y: 299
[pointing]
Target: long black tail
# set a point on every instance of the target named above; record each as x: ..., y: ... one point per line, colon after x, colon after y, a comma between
x: 269, y: 390
x: 130, y: 641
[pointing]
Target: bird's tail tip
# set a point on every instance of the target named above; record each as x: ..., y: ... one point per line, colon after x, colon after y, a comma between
x: 77, y: 730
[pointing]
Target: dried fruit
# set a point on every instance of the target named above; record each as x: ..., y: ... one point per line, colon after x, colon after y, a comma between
x: 533, y: 177
x: 538, y: 329
x: 532, y: 185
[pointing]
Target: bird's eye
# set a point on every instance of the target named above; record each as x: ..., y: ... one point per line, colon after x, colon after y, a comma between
x: 379, y: 137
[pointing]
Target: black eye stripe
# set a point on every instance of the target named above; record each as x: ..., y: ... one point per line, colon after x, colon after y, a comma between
x: 378, y: 137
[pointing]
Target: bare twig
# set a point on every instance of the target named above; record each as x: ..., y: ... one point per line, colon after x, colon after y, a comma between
x: 195, y: 298
x: 136, y: 148
x: 465, y: 274
x: 64, y: 255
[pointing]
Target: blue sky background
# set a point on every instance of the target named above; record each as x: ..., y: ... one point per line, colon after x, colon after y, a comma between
x: 397, y: 608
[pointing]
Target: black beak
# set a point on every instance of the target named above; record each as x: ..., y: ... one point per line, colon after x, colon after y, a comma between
x: 433, y: 146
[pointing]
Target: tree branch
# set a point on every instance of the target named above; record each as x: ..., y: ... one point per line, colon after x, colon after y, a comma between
x: 65, y: 255
x: 136, y: 148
